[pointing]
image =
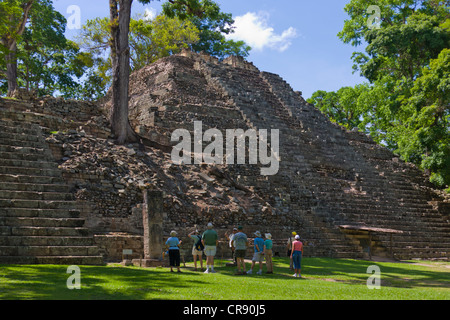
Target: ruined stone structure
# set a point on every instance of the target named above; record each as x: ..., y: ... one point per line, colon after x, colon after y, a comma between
x: 344, y: 194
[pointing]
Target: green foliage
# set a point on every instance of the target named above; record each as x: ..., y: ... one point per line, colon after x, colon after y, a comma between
x: 213, y: 25
x: 406, y: 105
x: 47, y: 61
x: 342, y: 107
x: 425, y: 132
x: 149, y: 40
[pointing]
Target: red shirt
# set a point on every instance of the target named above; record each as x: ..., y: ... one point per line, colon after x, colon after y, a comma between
x: 298, y: 245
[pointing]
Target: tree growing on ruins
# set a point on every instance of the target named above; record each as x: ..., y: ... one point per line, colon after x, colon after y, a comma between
x: 120, y: 17
x: 149, y: 40
x: 14, y: 15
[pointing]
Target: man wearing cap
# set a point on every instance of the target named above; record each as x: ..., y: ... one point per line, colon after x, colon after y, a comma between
x: 210, y: 240
x: 259, y: 252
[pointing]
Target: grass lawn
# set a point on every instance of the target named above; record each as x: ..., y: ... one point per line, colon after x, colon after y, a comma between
x: 323, y: 279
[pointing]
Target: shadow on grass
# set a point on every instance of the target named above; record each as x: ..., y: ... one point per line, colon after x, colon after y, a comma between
x: 399, y: 274
x: 106, y: 283
x: 49, y: 282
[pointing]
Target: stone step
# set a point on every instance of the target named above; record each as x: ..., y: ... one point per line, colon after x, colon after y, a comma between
x: 43, y: 231
x: 33, y: 118
x: 21, y: 178
x: 48, y: 250
x: 45, y: 241
x: 34, y: 187
x: 31, y: 171
x: 17, y: 128
x: 22, y: 143
x: 36, y: 204
x: 61, y: 260
x: 28, y: 163
x: 23, y: 149
x: 35, y: 195
x: 39, y: 213
x: 26, y: 156
x: 41, y: 222
x: 7, y: 136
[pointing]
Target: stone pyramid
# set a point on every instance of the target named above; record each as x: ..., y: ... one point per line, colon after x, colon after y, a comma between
x: 345, y: 195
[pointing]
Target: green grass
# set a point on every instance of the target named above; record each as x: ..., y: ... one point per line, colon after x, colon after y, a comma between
x: 324, y: 279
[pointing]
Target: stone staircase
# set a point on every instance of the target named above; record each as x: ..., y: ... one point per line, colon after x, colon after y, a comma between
x: 333, y: 177
x: 39, y: 222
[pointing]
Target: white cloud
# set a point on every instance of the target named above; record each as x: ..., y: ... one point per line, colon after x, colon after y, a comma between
x: 253, y: 28
x: 150, y: 14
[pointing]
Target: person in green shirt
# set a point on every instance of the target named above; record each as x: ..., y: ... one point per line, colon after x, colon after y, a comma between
x: 210, y: 240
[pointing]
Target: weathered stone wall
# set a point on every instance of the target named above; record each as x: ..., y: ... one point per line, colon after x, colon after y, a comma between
x: 328, y: 176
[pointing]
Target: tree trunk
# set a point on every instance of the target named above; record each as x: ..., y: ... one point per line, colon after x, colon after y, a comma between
x: 11, y: 69
x: 120, y: 55
x: 11, y: 46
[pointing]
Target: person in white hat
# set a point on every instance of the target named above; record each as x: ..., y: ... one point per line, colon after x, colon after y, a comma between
x: 258, y: 255
x: 268, y: 244
x: 174, y: 251
x: 296, y: 256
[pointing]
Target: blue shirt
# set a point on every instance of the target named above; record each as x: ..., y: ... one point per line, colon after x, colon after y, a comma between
x: 260, y: 242
x: 268, y: 243
x: 173, y: 243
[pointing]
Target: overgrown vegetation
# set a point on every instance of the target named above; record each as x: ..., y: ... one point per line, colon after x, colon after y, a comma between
x: 405, y: 103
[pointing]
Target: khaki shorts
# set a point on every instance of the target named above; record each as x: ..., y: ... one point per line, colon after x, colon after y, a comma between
x: 196, y: 252
x: 210, y: 251
x: 258, y: 256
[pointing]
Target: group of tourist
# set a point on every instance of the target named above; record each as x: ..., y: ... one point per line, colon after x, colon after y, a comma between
x: 262, y: 249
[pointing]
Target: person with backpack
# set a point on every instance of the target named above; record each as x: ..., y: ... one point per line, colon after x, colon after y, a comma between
x: 197, y: 249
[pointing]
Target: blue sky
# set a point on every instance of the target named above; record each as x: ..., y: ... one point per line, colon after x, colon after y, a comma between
x: 296, y: 39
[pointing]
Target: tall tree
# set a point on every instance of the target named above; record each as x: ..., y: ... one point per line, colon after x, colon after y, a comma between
x: 214, y: 25
x: 149, y: 40
x: 406, y: 62
x: 14, y: 16
x: 44, y: 59
x: 120, y: 16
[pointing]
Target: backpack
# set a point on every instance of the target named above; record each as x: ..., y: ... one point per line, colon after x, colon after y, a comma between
x: 199, y: 245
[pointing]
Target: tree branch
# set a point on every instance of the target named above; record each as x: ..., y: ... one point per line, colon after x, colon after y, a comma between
x: 26, y: 11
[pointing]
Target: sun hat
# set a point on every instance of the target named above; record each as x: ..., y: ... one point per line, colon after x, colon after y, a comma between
x: 294, y: 233
x: 268, y: 236
x: 257, y: 233
x: 240, y: 227
x: 173, y: 233
x: 297, y: 237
